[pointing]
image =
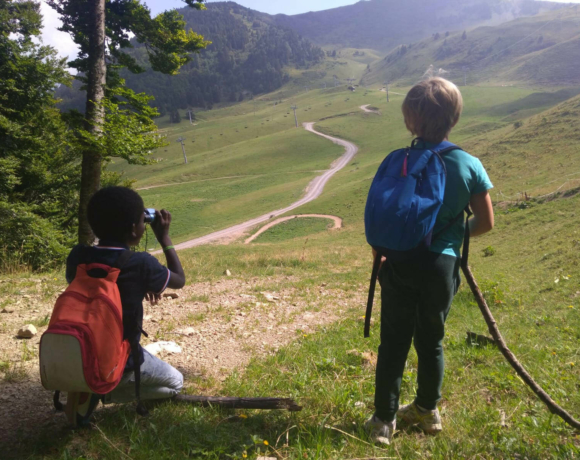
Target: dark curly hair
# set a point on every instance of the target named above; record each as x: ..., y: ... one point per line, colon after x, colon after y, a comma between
x: 112, y: 211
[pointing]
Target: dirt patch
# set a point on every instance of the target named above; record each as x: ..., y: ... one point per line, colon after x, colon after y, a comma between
x: 337, y: 223
x: 219, y: 327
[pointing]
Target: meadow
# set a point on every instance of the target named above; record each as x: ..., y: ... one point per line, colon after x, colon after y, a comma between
x: 527, y: 268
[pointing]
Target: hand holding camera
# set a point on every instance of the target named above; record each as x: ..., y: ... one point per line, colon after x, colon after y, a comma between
x: 160, y: 222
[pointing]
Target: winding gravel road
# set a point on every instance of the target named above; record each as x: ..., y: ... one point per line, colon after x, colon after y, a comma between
x: 313, y: 191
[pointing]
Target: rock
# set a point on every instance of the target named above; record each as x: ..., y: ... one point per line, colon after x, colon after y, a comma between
x: 147, y: 317
x: 27, y: 332
x: 359, y: 404
x: 188, y: 331
x: 8, y: 310
x: 228, y: 273
x: 157, y: 347
x: 266, y: 458
x: 171, y: 295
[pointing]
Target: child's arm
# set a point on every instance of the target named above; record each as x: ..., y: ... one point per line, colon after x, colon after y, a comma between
x: 483, y: 219
x: 160, y: 227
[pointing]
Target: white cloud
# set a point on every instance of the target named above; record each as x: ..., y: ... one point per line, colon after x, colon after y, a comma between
x: 61, y: 41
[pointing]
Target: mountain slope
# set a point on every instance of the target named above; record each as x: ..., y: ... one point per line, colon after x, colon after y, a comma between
x: 541, y: 49
x: 384, y: 24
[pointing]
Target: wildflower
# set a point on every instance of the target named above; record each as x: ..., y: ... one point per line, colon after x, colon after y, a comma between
x: 265, y: 442
x: 243, y: 416
x: 244, y: 454
x: 554, y: 353
x: 570, y: 306
x: 572, y: 364
x: 566, y: 277
x: 557, y: 280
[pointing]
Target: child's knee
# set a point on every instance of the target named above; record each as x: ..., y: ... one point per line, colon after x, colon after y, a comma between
x: 175, y: 382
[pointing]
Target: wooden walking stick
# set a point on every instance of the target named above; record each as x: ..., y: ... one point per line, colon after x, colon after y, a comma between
x: 553, y: 407
x: 241, y: 403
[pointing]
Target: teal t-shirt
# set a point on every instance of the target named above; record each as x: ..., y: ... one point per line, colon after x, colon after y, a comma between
x: 466, y: 176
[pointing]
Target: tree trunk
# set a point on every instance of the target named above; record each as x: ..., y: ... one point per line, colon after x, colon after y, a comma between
x: 94, y: 115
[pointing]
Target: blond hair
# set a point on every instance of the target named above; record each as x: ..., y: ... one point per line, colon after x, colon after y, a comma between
x: 432, y: 108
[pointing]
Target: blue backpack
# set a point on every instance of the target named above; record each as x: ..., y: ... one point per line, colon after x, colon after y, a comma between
x: 402, y: 206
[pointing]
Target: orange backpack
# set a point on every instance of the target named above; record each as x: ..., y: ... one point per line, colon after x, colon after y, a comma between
x: 83, y: 350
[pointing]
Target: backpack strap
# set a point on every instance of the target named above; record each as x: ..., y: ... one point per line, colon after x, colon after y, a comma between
x: 135, y: 349
x: 141, y: 409
x: 373, y: 285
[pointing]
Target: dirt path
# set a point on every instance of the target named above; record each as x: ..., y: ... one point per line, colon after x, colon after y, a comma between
x: 313, y: 191
x: 219, y: 326
x: 365, y: 108
x: 337, y: 223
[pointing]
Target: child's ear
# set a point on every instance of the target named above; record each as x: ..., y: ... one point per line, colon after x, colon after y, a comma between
x: 134, y: 231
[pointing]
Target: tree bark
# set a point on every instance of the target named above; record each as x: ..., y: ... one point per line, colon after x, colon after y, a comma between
x: 241, y: 403
x: 94, y: 115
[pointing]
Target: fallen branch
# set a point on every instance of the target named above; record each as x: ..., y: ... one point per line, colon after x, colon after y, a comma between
x: 494, y: 331
x: 241, y: 403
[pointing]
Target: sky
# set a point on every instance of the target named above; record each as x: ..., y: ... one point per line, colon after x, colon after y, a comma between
x: 65, y: 46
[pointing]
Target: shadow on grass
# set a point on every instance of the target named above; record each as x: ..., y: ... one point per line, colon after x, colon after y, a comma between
x: 172, y: 430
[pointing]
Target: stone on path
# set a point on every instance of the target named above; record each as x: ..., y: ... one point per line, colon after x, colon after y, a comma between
x: 173, y: 295
x: 8, y: 310
x: 228, y: 273
x: 157, y: 347
x: 27, y: 332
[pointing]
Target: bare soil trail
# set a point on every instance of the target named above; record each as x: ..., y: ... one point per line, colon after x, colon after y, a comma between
x: 313, y: 191
x: 337, y: 223
x: 365, y: 108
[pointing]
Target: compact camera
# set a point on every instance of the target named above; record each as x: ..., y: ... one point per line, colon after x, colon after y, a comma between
x: 149, y: 215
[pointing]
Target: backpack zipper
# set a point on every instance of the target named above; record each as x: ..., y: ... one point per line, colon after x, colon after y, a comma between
x: 405, y: 163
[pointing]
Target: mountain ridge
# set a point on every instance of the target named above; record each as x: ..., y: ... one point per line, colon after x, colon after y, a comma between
x: 540, y: 50
x: 362, y: 25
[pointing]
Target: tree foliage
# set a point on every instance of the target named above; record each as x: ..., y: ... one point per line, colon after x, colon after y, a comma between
x: 39, y: 173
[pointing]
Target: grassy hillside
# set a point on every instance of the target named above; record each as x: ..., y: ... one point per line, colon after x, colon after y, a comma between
x: 527, y: 267
x: 536, y: 50
x: 236, y: 156
x: 249, y: 158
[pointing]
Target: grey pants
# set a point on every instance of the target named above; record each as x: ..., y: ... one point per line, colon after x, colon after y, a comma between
x: 159, y: 380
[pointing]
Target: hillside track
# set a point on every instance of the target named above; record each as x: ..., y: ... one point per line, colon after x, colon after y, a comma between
x: 365, y: 108
x: 337, y: 222
x: 313, y: 191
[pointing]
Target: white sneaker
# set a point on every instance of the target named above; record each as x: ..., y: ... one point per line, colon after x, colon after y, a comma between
x: 428, y: 420
x: 380, y: 431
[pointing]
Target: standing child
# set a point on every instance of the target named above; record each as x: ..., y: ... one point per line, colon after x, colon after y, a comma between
x: 117, y: 217
x: 418, y: 288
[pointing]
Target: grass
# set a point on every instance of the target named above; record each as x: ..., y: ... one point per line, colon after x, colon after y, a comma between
x: 294, y: 228
x: 540, y: 320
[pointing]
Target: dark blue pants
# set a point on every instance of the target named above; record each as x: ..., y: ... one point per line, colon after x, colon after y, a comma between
x: 415, y: 300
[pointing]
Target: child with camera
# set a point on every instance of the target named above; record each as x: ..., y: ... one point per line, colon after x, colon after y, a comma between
x: 117, y: 217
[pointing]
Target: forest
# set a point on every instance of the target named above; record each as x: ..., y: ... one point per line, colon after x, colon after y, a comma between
x: 247, y: 55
